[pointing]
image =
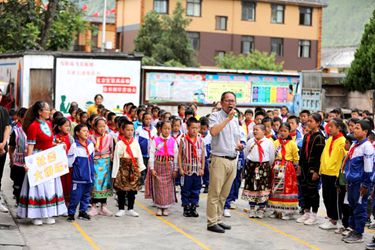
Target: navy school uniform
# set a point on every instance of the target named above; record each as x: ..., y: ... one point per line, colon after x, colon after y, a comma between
x: 358, y: 172
x: 81, y: 159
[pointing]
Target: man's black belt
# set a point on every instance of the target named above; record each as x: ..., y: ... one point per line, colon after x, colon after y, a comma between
x: 231, y: 158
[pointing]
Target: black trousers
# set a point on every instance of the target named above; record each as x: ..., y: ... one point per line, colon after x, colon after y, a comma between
x: 121, y: 199
x: 2, y: 163
x: 311, y: 197
x: 99, y: 200
x: 17, y: 174
x: 144, y: 172
x: 344, y: 209
x: 330, y: 196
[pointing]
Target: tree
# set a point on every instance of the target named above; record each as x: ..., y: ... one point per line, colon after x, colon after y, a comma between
x: 361, y: 74
x: 25, y: 25
x: 254, y: 60
x: 164, y: 41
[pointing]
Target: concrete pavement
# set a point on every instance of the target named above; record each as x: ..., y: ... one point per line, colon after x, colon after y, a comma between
x: 172, y: 232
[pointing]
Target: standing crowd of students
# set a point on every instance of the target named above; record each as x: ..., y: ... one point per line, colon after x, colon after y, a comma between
x: 286, y: 160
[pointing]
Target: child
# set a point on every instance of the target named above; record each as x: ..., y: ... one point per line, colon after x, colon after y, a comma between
x: 284, y: 113
x: 111, y: 124
x: 344, y: 208
x: 144, y: 135
x: 303, y: 118
x: 358, y: 172
x: 102, y: 161
x: 204, y: 131
x: 138, y: 122
x: 259, y: 116
x: 294, y: 132
x: 176, y: 135
x: 330, y: 165
x: 81, y: 159
x: 62, y: 135
x: 181, y: 111
x: 276, y: 125
x: 191, y: 160
x: 176, y: 130
x: 260, y: 155
x: 17, y: 153
x: 249, y: 122
x: 127, y: 168
x: 163, y: 169
x: 284, y: 192
x: 268, y: 124
x: 312, y: 148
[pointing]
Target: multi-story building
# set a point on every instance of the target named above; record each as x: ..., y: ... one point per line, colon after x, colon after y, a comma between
x: 289, y: 28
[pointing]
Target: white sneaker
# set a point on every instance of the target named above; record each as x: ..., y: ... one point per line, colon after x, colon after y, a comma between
x: 303, y: 218
x: 328, y: 225
x: 227, y: 213
x: 260, y: 213
x: 120, y: 213
x: 49, y: 221
x: 347, y: 231
x: 273, y: 215
x: 3, y: 208
x: 252, y: 213
x: 312, y: 220
x: 37, y: 222
x: 143, y: 188
x: 233, y: 205
x: 285, y: 216
x: 132, y: 213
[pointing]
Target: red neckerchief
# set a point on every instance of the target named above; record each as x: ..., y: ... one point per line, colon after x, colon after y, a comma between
x: 269, y: 136
x: 283, y: 149
x: 175, y: 137
x: 308, y: 137
x: 334, y: 138
x: 86, y: 145
x: 100, y: 138
x: 149, y: 133
x: 294, y: 133
x: 19, y: 124
x: 260, y: 149
x: 193, y: 144
x: 113, y: 128
x: 129, y: 151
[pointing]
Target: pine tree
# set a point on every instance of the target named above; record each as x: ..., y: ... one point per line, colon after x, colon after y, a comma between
x: 361, y: 74
x: 149, y: 35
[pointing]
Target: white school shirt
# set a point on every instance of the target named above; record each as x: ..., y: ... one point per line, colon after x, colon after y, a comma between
x: 252, y: 153
x: 120, y: 152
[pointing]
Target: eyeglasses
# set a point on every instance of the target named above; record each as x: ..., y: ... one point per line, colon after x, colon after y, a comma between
x: 229, y: 101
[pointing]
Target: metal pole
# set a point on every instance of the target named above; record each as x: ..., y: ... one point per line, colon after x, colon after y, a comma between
x: 104, y: 24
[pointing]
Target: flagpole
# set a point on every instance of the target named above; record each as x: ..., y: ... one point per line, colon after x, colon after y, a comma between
x: 104, y: 24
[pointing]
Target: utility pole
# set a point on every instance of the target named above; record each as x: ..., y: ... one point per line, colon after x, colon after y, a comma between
x: 104, y: 24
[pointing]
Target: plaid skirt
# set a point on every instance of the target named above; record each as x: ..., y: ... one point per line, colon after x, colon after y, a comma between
x: 161, y: 188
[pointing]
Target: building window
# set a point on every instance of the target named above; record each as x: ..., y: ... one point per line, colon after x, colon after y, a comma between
x: 277, y: 13
x: 193, y: 7
x: 305, y: 16
x: 277, y: 45
x: 304, y: 48
x: 194, y: 39
x: 248, y: 10
x: 161, y: 6
x: 247, y: 44
x: 219, y: 53
x: 221, y: 22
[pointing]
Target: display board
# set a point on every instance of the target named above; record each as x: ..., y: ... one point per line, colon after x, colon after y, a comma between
x: 80, y: 79
x: 164, y: 87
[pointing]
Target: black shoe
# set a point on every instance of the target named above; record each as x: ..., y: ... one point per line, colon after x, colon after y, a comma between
x: 84, y: 216
x: 187, y: 211
x: 216, y: 229
x: 193, y: 211
x: 225, y: 226
x: 205, y: 191
x: 70, y: 218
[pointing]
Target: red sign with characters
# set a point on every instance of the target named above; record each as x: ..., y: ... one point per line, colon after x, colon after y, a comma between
x: 120, y: 89
x: 112, y: 80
